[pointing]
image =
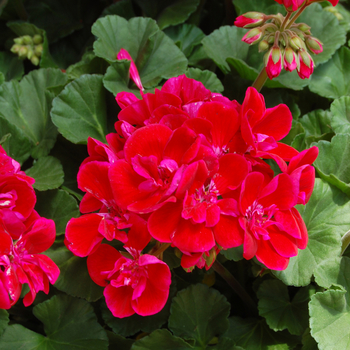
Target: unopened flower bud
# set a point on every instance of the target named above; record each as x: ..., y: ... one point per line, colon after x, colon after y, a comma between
x: 18, y: 41
x: 263, y: 46
x: 15, y: 48
x: 304, y: 28
x: 38, y: 50
x: 290, y: 61
x: 273, y: 62
x: 250, y: 20
x: 296, y: 43
x: 37, y: 39
x: 253, y: 36
x: 22, y: 53
x: 30, y: 53
x: 211, y: 257
x: 35, y: 60
x: 314, y: 45
x: 306, y: 66
x: 27, y: 40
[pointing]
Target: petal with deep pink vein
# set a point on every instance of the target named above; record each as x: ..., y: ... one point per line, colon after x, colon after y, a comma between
x: 82, y: 234
x: 250, y: 190
x: 102, y: 260
x: 253, y: 101
x: 50, y: 269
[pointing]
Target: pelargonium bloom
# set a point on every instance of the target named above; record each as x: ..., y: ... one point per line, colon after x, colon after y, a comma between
x: 21, y: 261
x: 291, y: 5
x: 132, y: 285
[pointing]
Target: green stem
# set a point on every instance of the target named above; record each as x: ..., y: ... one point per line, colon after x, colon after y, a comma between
x: 160, y: 249
x: 20, y: 9
x: 284, y: 24
x: 260, y: 80
x: 235, y: 285
x: 295, y: 17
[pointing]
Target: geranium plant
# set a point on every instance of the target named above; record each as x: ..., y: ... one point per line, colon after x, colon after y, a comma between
x: 174, y: 174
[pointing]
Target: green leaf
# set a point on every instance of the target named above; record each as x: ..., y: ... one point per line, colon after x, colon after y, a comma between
x: 185, y: 36
x: 57, y: 205
x: 330, y: 319
x: 235, y: 254
x: 121, y: 8
x: 208, y: 78
x: 279, y: 311
x: 252, y: 334
x: 74, y: 278
x: 332, y: 271
x: 177, y: 13
x: 331, y: 79
x: 309, y: 343
x: 161, y: 339
x: 47, y: 172
x: 89, y: 64
x: 225, y: 344
x: 333, y: 161
x: 326, y: 218
x: 69, y: 323
x: 199, y: 313
x: 147, y: 45
x: 4, y: 320
x: 223, y: 43
x: 118, y: 342
x: 79, y: 111
x: 266, y: 6
x: 11, y: 66
x: 15, y: 143
x: 26, y: 105
x: 136, y: 323
x: 340, y: 109
x: 326, y: 28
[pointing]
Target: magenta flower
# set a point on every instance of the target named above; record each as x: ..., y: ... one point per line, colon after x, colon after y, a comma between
x: 21, y: 261
x: 306, y: 67
x: 250, y: 20
x: 291, y: 5
x: 273, y: 63
x: 133, y: 285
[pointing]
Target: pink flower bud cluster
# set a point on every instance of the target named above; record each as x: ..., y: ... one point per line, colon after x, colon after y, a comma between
x: 186, y: 168
x: 24, y: 235
x: 287, y: 43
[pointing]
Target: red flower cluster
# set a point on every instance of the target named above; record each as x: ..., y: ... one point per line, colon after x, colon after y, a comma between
x: 23, y: 235
x: 186, y: 167
x: 293, y: 5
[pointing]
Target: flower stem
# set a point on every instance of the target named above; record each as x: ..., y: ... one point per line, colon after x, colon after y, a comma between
x: 159, y: 250
x: 284, y: 24
x: 235, y: 285
x: 260, y: 80
x: 295, y: 17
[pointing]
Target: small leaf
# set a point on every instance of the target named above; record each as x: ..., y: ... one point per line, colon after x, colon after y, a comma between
x: 331, y: 78
x: 74, y: 278
x: 47, y: 172
x: 185, y: 36
x: 57, y: 205
x: 199, y: 313
x: 69, y: 323
x: 235, y: 254
x: 161, y: 339
x: 333, y: 161
x: 279, y: 311
x: 79, y: 111
x: 177, y: 13
x: 208, y: 78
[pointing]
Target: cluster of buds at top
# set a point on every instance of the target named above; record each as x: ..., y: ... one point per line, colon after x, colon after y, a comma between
x: 28, y: 47
x: 286, y: 43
